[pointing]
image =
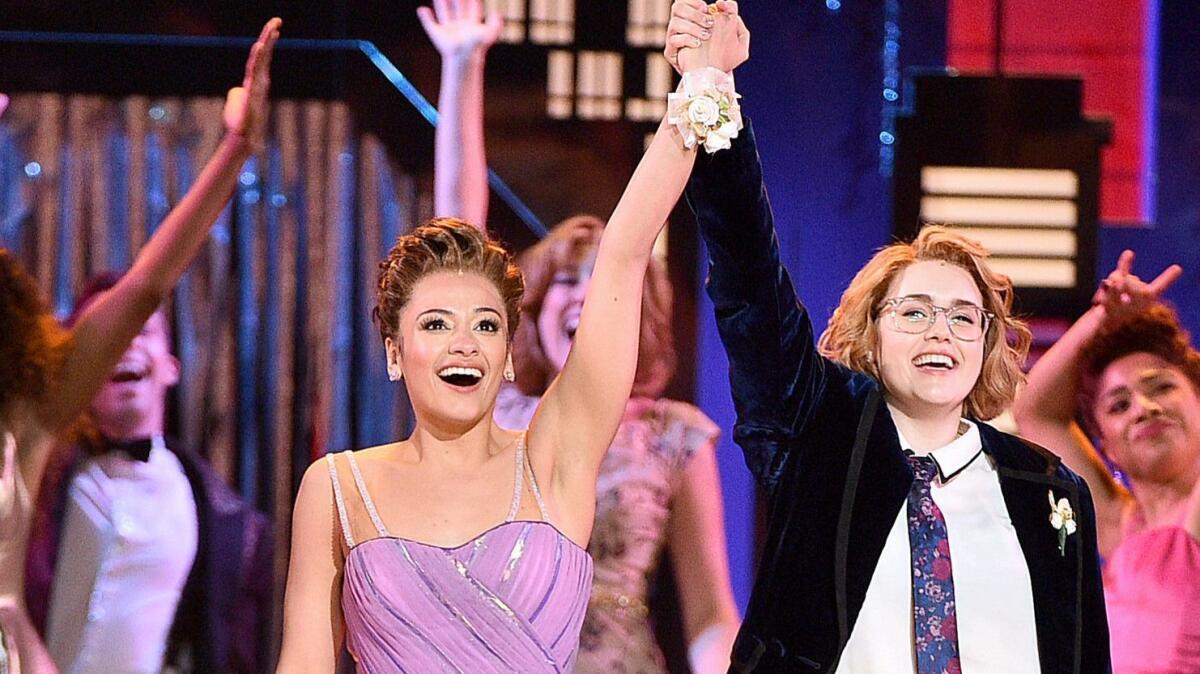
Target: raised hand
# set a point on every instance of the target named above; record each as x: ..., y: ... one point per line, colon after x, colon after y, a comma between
x: 690, y: 25
x: 729, y: 42
x: 246, y: 106
x: 716, y: 33
x: 1123, y: 294
x: 458, y: 28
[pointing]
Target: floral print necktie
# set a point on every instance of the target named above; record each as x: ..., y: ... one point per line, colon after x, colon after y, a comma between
x: 935, y: 626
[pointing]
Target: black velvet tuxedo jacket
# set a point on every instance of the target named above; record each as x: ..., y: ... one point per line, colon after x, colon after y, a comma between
x: 819, y: 440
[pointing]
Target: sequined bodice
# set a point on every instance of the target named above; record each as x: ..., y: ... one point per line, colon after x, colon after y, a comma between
x: 510, y: 599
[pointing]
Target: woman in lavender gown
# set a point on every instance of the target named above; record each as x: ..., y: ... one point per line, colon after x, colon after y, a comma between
x: 658, y: 487
x: 404, y: 551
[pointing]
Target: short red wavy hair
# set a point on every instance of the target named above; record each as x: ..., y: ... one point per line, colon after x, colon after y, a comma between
x: 852, y: 336
x: 568, y: 245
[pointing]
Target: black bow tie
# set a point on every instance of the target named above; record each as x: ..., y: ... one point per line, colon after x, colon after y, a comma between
x: 138, y: 450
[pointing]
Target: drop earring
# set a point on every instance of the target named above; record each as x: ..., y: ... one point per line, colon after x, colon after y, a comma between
x: 509, y: 374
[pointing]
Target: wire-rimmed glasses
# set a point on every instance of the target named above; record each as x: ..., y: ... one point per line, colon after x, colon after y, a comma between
x: 914, y: 315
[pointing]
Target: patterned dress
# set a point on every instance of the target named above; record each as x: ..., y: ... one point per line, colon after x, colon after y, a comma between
x: 633, y: 501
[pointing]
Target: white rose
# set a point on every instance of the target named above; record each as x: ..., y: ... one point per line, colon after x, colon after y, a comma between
x: 715, y: 141
x: 1056, y: 520
x: 1070, y: 527
x: 704, y: 111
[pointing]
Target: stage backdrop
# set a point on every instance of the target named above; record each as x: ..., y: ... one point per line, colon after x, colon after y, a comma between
x: 280, y: 360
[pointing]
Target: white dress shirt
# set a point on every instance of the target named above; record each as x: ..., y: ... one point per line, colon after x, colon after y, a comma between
x: 128, y: 542
x: 996, y: 629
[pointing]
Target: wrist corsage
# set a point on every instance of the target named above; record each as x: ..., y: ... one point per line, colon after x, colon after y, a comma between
x: 704, y: 109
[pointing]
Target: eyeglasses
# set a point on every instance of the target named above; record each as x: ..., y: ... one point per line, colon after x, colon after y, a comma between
x: 913, y: 315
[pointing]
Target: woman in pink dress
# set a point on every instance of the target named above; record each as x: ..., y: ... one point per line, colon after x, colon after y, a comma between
x: 1127, y: 368
x: 404, y: 551
x: 49, y: 374
x: 658, y: 487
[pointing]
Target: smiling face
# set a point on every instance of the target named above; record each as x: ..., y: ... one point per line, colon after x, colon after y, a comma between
x: 561, y: 306
x: 133, y: 402
x: 451, y: 349
x: 930, y: 372
x: 1147, y: 412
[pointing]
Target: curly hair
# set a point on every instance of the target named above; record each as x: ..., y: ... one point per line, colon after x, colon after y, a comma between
x: 32, y: 343
x: 439, y: 245
x: 572, y: 242
x: 1155, y: 331
x: 852, y: 336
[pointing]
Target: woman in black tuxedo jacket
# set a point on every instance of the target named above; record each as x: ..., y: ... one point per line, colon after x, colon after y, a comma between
x: 905, y: 535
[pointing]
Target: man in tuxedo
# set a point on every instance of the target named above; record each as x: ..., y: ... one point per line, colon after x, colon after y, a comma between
x: 142, y: 558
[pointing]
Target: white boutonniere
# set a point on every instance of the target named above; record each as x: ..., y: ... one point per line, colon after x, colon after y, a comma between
x: 1062, y: 518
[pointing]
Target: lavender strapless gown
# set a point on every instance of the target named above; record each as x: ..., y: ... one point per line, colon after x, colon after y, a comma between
x: 512, y: 599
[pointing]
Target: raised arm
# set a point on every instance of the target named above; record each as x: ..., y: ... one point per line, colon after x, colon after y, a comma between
x: 1045, y: 410
x: 582, y: 408
x: 104, y: 330
x: 462, y: 36
x: 776, y: 374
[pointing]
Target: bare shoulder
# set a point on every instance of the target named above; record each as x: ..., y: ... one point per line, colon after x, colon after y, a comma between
x: 369, y: 459
x: 316, y: 487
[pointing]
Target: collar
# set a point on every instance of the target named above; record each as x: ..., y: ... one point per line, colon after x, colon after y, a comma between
x: 954, y: 457
x: 135, y: 449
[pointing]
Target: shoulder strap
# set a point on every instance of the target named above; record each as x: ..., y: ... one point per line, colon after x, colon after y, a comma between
x: 341, y: 502
x: 518, y: 480
x: 366, y: 497
x: 523, y: 464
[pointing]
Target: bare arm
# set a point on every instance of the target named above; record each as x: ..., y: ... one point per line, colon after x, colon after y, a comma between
x: 105, y: 329
x: 1045, y: 409
x: 583, y: 406
x: 313, y: 626
x: 462, y: 37
x: 696, y: 536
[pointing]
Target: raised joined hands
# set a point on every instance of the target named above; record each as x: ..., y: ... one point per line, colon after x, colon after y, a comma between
x: 1124, y: 295
x: 458, y: 28
x: 246, y: 106
x: 701, y: 35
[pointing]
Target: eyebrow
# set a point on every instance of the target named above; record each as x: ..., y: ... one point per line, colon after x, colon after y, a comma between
x: 1149, y: 377
x: 1113, y: 393
x: 953, y: 303
x: 448, y: 312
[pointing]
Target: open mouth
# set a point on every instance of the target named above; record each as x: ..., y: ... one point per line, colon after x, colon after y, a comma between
x: 129, y: 373
x: 461, y: 377
x: 1151, y: 429
x: 934, y: 362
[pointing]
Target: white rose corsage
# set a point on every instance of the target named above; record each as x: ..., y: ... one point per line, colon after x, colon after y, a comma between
x: 1062, y: 518
x: 704, y: 109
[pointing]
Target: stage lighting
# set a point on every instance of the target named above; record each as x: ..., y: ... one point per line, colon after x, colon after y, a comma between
x: 1012, y: 163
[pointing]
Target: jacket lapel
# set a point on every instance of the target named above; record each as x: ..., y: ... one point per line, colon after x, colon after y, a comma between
x: 878, y: 480
x: 1027, y: 476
